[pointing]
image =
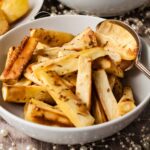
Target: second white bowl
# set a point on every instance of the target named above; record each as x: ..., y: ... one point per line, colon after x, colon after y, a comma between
x: 103, y: 7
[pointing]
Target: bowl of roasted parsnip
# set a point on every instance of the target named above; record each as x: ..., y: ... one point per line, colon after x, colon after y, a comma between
x: 65, y: 81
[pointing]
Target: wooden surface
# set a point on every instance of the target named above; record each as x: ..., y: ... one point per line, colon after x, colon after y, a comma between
x: 135, y: 135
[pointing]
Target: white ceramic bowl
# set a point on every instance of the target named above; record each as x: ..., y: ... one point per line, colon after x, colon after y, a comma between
x: 103, y: 7
x: 13, y: 113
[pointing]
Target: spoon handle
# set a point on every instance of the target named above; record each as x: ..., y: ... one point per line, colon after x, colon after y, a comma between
x: 141, y: 67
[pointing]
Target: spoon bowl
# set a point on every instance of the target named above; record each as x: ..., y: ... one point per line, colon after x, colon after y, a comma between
x: 136, y: 61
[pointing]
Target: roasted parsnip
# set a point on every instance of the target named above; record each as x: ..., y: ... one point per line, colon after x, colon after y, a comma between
x: 98, y: 111
x: 50, y: 37
x: 85, y: 40
x: 23, y: 93
x: 69, y: 103
x: 115, y: 38
x: 68, y: 64
x: 105, y: 94
x: 37, y: 111
x: 126, y: 103
x: 84, y: 80
x: 109, y: 66
x: 20, y: 57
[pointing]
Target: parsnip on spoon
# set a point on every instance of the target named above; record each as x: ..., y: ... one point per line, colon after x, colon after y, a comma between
x: 117, y: 36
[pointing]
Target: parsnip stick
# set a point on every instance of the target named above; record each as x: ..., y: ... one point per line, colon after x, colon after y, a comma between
x: 98, y: 111
x: 84, y: 40
x: 20, y: 58
x: 68, y: 64
x: 21, y: 94
x: 102, y: 63
x: 84, y: 80
x: 116, y: 38
x: 126, y: 103
x: 50, y: 37
x: 70, y: 104
x: 109, y: 66
x: 42, y: 121
x: 30, y: 75
x: 105, y: 94
x: 48, y: 114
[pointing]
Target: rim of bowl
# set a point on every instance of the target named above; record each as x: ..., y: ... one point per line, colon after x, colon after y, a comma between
x: 69, y: 129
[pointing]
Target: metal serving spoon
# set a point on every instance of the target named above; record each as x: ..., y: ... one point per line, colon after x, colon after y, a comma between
x: 137, y: 62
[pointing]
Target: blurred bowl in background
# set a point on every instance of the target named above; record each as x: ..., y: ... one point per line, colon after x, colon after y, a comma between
x: 103, y: 7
